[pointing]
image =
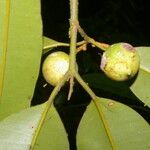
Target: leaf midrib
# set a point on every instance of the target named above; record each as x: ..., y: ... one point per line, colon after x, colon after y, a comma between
x: 5, y: 44
x: 105, y: 124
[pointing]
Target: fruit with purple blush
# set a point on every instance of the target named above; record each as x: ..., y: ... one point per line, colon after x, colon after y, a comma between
x: 120, y: 62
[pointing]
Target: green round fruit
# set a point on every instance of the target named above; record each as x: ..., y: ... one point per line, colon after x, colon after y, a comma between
x: 120, y: 62
x: 55, y: 67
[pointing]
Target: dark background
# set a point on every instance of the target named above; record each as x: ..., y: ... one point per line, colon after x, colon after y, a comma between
x: 108, y: 21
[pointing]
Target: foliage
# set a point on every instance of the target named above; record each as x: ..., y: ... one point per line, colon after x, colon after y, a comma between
x: 21, y: 44
x: 106, y: 123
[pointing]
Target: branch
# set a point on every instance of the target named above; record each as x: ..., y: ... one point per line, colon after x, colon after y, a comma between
x: 73, y: 33
x: 102, y: 46
x: 48, y: 105
x: 73, y: 42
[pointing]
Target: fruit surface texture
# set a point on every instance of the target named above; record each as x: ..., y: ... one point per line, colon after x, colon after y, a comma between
x: 55, y: 67
x: 120, y: 62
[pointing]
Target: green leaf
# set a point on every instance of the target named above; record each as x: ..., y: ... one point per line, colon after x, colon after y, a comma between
x: 52, y: 135
x: 17, y: 130
x: 141, y: 85
x: 112, y: 125
x: 20, y: 53
x: 49, y: 44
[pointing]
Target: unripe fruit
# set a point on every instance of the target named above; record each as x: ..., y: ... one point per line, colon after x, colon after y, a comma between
x: 55, y: 66
x: 120, y: 62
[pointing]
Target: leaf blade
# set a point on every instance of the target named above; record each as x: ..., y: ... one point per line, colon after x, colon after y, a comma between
x: 52, y: 132
x: 49, y: 44
x: 23, y: 53
x: 128, y: 129
x: 143, y: 77
x: 4, y: 25
x: 17, y: 130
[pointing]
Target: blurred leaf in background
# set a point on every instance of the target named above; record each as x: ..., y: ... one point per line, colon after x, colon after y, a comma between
x: 20, y: 53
